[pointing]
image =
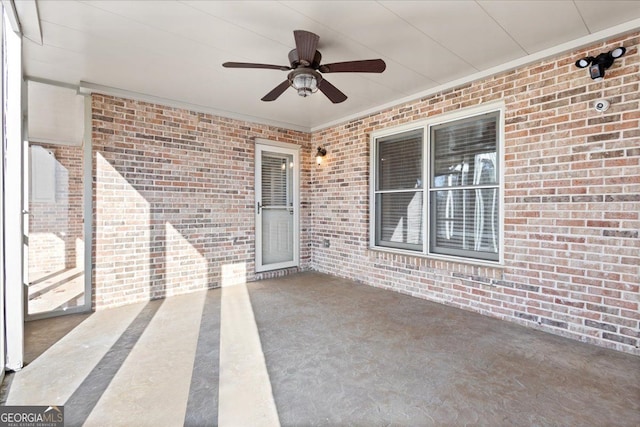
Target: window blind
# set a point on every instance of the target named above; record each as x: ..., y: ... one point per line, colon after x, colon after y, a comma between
x: 399, y: 192
x: 400, y: 162
x: 274, y: 181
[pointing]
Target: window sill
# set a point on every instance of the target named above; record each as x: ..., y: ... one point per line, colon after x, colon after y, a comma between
x: 435, y: 257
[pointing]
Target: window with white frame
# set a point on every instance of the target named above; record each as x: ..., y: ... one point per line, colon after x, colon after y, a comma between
x: 436, y: 188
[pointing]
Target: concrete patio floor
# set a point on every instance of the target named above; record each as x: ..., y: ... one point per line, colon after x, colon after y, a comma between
x: 311, y: 349
x: 57, y: 290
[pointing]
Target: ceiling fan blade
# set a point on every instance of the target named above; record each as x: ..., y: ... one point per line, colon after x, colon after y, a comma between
x: 333, y: 93
x: 306, y: 44
x: 277, y: 91
x: 364, y: 66
x: 252, y: 65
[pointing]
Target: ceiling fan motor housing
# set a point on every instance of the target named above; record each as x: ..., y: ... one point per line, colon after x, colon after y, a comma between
x: 294, y: 60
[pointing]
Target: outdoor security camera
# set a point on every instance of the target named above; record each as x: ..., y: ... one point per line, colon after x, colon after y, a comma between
x: 601, y: 105
x: 600, y: 63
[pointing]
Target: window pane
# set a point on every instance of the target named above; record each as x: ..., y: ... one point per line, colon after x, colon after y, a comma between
x: 399, y: 220
x: 465, y: 221
x: 400, y: 161
x: 464, y: 152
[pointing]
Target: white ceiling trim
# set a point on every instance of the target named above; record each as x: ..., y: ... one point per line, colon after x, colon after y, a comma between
x: 621, y: 29
x: 52, y: 83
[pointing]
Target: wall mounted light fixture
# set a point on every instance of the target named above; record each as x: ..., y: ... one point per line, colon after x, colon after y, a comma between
x: 320, y: 154
x: 600, y: 63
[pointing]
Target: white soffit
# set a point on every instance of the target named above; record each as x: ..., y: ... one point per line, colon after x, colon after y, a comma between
x: 521, y: 20
x: 539, y: 56
x: 172, y: 51
x: 600, y: 15
x: 56, y: 114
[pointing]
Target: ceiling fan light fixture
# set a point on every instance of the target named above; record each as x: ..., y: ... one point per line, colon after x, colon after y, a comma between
x: 305, y: 84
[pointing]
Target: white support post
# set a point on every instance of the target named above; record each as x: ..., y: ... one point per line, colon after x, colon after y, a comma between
x: 2, y: 163
x: 13, y: 201
x: 88, y: 203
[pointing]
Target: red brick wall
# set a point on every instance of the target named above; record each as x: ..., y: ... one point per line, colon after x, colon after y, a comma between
x: 174, y: 199
x: 55, y: 227
x: 572, y: 203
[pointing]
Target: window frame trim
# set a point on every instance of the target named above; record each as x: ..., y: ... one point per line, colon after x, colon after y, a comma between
x: 425, y: 126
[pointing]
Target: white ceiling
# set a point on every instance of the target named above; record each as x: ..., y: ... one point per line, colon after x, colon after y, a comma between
x: 173, y: 50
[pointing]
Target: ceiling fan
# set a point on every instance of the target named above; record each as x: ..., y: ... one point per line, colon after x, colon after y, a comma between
x: 305, y: 69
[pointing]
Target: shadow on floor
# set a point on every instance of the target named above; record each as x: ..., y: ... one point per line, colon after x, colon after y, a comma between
x: 36, y: 342
x: 86, y: 396
x: 337, y: 353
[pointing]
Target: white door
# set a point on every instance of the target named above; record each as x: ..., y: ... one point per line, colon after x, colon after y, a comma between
x: 277, y: 213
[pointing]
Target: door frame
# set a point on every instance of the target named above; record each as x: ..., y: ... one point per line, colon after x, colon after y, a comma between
x: 262, y: 145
